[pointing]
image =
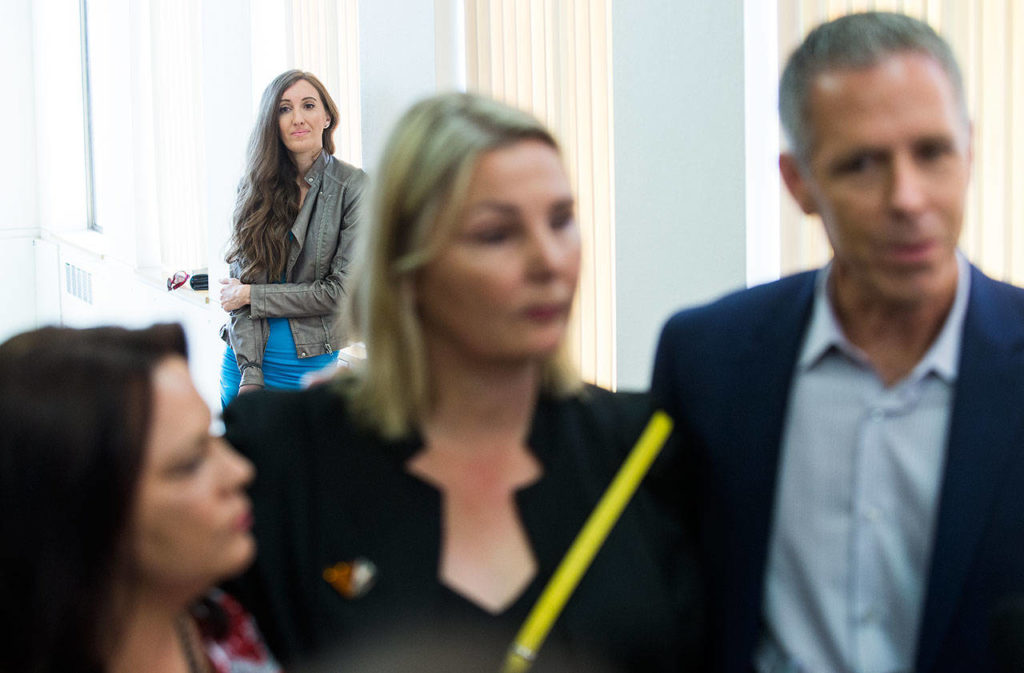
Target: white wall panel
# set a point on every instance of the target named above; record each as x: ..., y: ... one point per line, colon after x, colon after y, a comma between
x: 680, y: 220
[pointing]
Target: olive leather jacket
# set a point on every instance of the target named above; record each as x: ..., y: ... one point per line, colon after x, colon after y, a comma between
x: 315, y: 276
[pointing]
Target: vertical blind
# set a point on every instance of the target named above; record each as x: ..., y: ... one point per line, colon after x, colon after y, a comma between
x: 553, y: 59
x: 325, y: 42
x: 174, y: 138
x: 982, y: 34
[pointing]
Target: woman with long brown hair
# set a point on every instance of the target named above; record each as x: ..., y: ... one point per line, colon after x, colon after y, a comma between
x: 294, y: 223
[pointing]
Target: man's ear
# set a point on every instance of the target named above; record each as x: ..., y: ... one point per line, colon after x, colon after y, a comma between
x: 796, y: 183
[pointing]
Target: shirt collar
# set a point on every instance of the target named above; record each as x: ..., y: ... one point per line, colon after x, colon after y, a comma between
x: 825, y: 334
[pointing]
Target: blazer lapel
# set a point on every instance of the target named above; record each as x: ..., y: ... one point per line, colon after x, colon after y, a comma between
x: 763, y: 376
x: 985, y: 419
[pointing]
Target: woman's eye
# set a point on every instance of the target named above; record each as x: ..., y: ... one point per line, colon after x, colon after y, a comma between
x: 562, y: 220
x: 191, y: 464
x: 310, y: 106
x: 492, y: 235
x: 491, y: 231
x: 284, y: 109
x: 188, y: 467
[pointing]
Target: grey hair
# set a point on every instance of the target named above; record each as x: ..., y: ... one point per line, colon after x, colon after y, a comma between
x: 855, y: 41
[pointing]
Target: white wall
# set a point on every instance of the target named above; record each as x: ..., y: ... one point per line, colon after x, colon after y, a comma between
x: 764, y: 186
x: 59, y: 146
x: 119, y: 295
x: 396, y: 66
x: 18, y: 306
x: 17, y: 172
x: 680, y: 235
x: 18, y: 221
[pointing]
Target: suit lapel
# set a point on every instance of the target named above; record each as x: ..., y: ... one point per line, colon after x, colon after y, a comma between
x: 986, y: 417
x: 758, y: 415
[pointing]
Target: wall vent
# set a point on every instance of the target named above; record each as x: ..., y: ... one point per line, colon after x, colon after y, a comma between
x: 78, y: 282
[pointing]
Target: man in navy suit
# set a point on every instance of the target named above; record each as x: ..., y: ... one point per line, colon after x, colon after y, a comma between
x: 850, y: 449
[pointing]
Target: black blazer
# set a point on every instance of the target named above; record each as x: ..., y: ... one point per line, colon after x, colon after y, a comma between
x: 329, y: 491
x: 724, y: 371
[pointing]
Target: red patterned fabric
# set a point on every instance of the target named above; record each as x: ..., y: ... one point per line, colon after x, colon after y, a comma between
x: 241, y: 649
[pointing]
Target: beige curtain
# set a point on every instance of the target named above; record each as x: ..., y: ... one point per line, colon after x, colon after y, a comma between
x: 988, y: 38
x: 170, y: 70
x: 553, y: 58
x: 325, y: 42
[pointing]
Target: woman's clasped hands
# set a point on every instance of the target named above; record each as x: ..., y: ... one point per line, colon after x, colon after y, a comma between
x: 234, y: 294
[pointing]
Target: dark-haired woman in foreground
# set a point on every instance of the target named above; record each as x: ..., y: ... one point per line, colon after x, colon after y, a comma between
x: 443, y: 483
x: 291, y: 246
x: 118, y: 510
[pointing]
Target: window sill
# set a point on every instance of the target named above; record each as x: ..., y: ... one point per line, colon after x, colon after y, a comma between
x: 156, y: 278
x: 87, y: 241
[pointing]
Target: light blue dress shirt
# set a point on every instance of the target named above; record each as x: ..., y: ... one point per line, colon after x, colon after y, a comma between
x: 858, y: 488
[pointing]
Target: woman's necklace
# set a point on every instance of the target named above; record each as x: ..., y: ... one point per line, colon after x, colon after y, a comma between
x: 194, y: 659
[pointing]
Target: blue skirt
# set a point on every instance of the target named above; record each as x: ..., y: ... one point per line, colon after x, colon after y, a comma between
x: 282, y: 369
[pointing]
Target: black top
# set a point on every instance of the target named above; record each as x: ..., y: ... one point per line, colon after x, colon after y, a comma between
x: 328, y: 491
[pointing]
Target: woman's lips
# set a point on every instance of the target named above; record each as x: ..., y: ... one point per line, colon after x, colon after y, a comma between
x: 243, y: 522
x: 546, y: 312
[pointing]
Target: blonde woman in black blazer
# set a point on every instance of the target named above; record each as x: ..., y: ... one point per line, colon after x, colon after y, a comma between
x: 442, y: 483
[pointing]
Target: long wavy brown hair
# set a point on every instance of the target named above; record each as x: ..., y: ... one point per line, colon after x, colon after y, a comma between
x: 268, y: 196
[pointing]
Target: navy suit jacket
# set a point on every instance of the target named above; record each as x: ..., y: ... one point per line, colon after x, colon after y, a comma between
x: 724, y: 371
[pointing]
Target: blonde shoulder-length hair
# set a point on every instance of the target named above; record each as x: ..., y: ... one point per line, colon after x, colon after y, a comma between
x: 419, y: 196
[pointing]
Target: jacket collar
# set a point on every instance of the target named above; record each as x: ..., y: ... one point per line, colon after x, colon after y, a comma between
x: 314, y: 179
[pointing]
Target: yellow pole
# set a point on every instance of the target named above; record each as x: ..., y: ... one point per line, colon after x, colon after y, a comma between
x: 589, y: 540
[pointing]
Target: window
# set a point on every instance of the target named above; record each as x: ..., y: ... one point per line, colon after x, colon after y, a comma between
x: 90, y: 193
x: 147, y: 135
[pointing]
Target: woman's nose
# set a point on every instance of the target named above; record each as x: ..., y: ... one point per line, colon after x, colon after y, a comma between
x: 546, y: 253
x: 239, y: 470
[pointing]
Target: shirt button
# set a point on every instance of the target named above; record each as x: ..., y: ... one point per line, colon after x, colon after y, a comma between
x: 872, y: 514
x: 302, y: 354
x: 877, y: 414
x: 870, y: 615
